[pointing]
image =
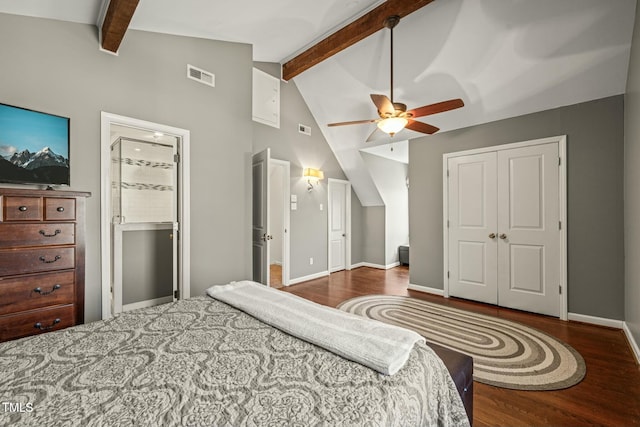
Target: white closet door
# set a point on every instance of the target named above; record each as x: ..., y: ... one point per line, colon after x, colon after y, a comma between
x: 529, y: 259
x: 472, y: 227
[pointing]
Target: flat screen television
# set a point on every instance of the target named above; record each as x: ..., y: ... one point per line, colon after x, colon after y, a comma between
x: 34, y: 147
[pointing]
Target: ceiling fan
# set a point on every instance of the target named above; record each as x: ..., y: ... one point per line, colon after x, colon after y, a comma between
x: 394, y: 115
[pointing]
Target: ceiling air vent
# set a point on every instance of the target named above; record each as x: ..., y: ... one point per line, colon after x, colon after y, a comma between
x: 202, y: 76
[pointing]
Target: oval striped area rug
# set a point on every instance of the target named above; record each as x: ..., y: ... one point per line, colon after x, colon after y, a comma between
x: 505, y: 353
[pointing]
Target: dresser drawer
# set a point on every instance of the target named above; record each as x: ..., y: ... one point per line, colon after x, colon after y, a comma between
x: 43, y: 234
x: 36, y: 321
x: 29, y: 292
x: 22, y: 261
x: 20, y: 208
x: 59, y: 209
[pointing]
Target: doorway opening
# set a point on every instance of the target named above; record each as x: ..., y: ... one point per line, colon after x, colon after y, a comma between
x: 270, y: 219
x: 279, y: 194
x: 145, y: 218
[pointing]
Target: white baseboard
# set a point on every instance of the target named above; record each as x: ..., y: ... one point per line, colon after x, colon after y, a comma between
x: 632, y: 341
x: 426, y: 289
x: 600, y: 321
x: 309, y: 277
x: 378, y: 266
x: 146, y: 303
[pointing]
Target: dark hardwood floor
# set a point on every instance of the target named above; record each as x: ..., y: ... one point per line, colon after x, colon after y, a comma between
x: 609, y: 395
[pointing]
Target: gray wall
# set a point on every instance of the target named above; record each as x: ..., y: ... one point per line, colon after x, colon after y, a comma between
x: 374, y: 234
x: 595, y: 197
x: 56, y: 67
x: 357, y: 230
x: 147, y: 265
x: 390, y: 178
x: 308, y: 223
x: 632, y: 187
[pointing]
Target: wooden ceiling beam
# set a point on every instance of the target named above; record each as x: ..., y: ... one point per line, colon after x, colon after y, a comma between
x: 349, y: 35
x: 116, y: 22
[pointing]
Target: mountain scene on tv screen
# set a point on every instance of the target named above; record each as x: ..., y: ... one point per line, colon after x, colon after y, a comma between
x: 43, y: 166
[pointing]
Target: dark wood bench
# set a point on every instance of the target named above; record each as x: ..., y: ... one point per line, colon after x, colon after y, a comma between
x: 460, y: 366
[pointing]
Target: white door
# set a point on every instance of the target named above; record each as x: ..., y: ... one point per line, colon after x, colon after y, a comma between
x: 529, y: 267
x: 472, y: 227
x: 338, y: 225
x: 260, y: 217
x: 504, y: 237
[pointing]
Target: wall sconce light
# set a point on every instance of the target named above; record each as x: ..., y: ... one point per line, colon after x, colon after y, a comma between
x: 310, y: 174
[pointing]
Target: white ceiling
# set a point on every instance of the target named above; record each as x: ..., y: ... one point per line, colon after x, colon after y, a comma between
x: 397, y: 151
x: 504, y: 58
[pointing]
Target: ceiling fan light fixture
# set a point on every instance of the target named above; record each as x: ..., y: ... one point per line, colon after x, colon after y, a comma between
x: 392, y: 125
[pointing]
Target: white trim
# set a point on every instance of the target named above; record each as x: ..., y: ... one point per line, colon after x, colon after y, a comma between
x: 509, y: 146
x: 184, y: 202
x: 286, y: 219
x: 426, y: 289
x: 564, y: 263
x: 347, y: 214
x: 561, y: 140
x: 309, y: 277
x: 632, y: 341
x: 147, y: 303
x: 445, y: 228
x: 358, y: 265
x: 372, y: 265
x: 378, y: 266
x: 600, y: 321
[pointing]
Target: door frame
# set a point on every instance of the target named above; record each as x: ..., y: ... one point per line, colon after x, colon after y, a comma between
x: 347, y: 214
x: 561, y: 140
x: 184, y: 202
x: 286, y: 219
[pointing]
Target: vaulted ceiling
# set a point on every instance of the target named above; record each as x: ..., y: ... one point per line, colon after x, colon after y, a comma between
x: 504, y: 58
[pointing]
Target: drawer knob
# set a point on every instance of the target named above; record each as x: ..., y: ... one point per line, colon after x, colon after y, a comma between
x: 53, y: 289
x: 46, y: 261
x: 22, y: 208
x: 55, y: 233
x: 60, y: 209
x: 44, y: 328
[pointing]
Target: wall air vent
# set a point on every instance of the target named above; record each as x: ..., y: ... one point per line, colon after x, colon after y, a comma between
x: 200, y: 75
x: 304, y: 129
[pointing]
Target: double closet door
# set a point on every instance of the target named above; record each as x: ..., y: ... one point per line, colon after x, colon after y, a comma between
x: 504, y: 238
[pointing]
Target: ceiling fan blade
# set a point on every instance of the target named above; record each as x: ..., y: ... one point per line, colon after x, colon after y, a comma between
x: 355, y: 122
x: 384, y: 105
x: 421, y: 127
x: 439, y: 107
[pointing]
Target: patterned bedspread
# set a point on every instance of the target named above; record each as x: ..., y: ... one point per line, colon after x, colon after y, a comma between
x: 200, y: 362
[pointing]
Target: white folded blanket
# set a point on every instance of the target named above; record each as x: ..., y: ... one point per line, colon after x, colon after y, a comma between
x: 374, y: 344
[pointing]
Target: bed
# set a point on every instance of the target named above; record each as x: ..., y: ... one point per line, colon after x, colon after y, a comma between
x: 201, y: 362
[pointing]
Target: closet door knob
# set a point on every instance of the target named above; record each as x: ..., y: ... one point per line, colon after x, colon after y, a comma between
x: 503, y: 236
x: 492, y: 235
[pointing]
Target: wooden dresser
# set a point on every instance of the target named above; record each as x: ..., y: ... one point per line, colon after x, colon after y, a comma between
x: 42, y: 250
